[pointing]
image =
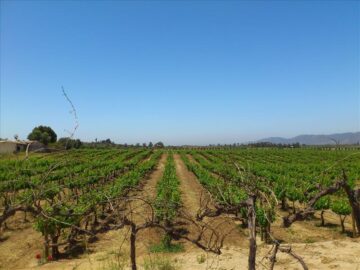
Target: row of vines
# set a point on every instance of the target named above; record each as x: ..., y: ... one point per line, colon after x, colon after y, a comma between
x: 70, y: 196
x: 254, y: 185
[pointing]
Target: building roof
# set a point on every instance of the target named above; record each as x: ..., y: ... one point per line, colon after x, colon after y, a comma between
x: 17, y: 142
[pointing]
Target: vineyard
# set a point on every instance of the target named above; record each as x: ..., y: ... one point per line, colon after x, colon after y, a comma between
x: 263, y: 206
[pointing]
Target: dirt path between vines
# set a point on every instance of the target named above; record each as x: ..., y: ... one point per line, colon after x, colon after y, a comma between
x: 148, y: 237
x: 191, y: 191
x: 190, y: 188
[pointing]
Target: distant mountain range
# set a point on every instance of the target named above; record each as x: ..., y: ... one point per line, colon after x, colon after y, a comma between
x: 340, y: 138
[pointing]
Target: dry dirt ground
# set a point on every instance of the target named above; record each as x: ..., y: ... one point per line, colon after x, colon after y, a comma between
x: 332, y: 250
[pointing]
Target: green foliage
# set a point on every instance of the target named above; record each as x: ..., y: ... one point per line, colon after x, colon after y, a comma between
x: 159, y: 145
x: 83, y: 180
x: 43, y: 134
x: 292, y: 174
x: 341, y: 206
x: 164, y: 247
x: 72, y: 185
x: 279, y: 189
x: 264, y: 216
x: 68, y: 143
x: 27, y: 196
x: 225, y: 192
x: 159, y: 263
x: 56, y: 218
x: 45, y: 226
x: 167, y: 203
x: 294, y: 193
x: 167, y: 200
x: 323, y: 203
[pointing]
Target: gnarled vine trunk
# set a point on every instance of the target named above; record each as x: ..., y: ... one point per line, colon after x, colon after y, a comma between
x: 352, y: 194
x: 354, y: 200
x: 252, y: 233
x: 322, y: 218
x: 133, y: 246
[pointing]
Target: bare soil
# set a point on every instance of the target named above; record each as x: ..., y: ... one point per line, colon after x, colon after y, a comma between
x: 19, y: 243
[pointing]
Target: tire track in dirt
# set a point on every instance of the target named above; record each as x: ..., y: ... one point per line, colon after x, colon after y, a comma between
x: 191, y: 191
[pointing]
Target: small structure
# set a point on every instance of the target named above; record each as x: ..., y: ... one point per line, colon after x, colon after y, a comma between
x: 9, y: 147
x: 35, y: 146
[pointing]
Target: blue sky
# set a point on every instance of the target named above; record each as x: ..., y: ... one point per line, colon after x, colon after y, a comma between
x: 183, y: 72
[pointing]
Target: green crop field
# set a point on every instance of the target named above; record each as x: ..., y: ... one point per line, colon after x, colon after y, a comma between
x: 72, y: 197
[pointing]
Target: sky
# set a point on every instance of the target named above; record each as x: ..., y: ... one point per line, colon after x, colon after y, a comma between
x: 181, y: 72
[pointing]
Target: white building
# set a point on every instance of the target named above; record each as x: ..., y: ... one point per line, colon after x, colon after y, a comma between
x: 9, y: 147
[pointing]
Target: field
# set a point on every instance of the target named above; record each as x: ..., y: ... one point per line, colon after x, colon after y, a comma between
x: 181, y: 209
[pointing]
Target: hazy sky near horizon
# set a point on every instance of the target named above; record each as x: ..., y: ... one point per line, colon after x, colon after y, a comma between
x: 191, y: 72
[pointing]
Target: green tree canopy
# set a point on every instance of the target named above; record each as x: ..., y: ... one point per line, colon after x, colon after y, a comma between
x: 159, y: 145
x: 43, y: 134
x: 69, y: 143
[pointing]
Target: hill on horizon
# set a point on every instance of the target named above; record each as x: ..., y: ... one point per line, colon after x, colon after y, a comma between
x: 340, y: 138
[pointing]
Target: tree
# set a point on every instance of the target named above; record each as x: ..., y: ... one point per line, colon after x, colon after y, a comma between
x: 108, y: 141
x: 43, y: 134
x: 150, y: 145
x: 159, y: 145
x: 69, y: 143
